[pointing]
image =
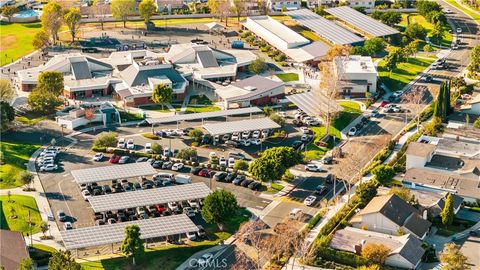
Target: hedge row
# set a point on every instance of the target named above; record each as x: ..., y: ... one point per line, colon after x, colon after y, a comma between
x: 341, y: 257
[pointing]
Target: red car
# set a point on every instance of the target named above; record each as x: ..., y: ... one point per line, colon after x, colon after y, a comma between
x: 384, y: 103
x: 205, y: 173
x: 114, y: 159
x: 160, y: 208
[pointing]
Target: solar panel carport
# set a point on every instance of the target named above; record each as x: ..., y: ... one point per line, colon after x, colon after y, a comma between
x: 325, y: 28
x: 362, y: 21
x: 106, y: 173
x: 146, y: 197
x: 240, y: 126
x: 205, y: 115
x: 314, y: 103
x: 115, y: 233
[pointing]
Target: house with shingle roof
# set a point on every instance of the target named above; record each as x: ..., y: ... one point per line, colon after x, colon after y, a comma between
x: 405, y: 251
x: 391, y: 215
x: 12, y: 249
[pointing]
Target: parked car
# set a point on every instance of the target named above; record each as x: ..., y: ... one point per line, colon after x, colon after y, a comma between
x: 148, y: 148
x: 222, y: 161
x: 255, y: 141
x: 236, y: 155
x: 254, y: 185
x: 225, y: 137
x: 192, y: 236
x: 220, y: 176
x: 244, y: 142
x: 205, y: 172
x: 256, y: 134
x: 121, y: 143
x: 310, y: 200
x: 68, y: 225
x: 245, y: 134
x: 177, y: 166
x: 313, y: 167
x: 61, y: 215
x: 459, y: 30
x: 238, y: 180
x: 246, y: 182
x: 98, y: 157
x: 320, y: 189
x: 297, y: 144
x: 49, y: 168
x: 352, y: 131
x: 231, y: 162
x: 124, y: 159
x: 86, y: 194
x: 157, y: 164
x: 201, y: 231
x: 114, y: 159
x: 235, y: 136
x: 327, y: 159
x: 106, y: 189
x: 230, y: 177
x: 305, y: 130
x: 167, y: 165
x: 189, y: 211
x: 306, y: 138
x: 195, y: 170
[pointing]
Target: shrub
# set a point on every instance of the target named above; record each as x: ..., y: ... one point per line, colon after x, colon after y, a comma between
x: 428, y: 48
x: 187, y: 154
x: 106, y: 139
x: 99, y: 149
x: 150, y: 136
x: 288, y: 176
x: 342, y: 257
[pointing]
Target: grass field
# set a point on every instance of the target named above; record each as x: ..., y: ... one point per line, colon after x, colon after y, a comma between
x: 416, y: 18
x: 22, y: 204
x: 403, y: 74
x: 171, y: 256
x: 287, y: 77
x: 15, y: 156
x: 16, y: 40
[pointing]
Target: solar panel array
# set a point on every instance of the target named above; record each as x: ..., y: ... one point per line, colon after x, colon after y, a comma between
x: 314, y: 103
x: 362, y: 21
x: 196, y: 116
x: 106, y: 173
x: 146, y: 197
x: 240, y: 126
x: 325, y: 28
x: 115, y: 233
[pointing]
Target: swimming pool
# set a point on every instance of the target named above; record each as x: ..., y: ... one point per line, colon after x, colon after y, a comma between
x: 28, y: 13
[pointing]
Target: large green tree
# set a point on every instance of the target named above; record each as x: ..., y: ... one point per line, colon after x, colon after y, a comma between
x: 40, y: 40
x: 391, y: 17
x: 7, y: 114
x: 438, y: 33
x: 162, y: 94
x: 187, y: 154
x: 72, y: 19
x: 51, y: 81
x: 8, y: 11
x: 43, y: 102
x: 63, y: 260
x: 26, y: 178
x: 474, y: 67
x: 266, y: 170
x: 6, y: 90
x: 452, y: 258
x: 219, y: 207
x: 132, y: 245
x: 373, y: 46
x: 121, y: 9
x: 257, y: 66
x: 196, y: 134
x: 383, y: 173
x: 415, y: 31
x: 105, y: 139
x: 447, y: 213
x: 147, y: 8
x: 52, y: 15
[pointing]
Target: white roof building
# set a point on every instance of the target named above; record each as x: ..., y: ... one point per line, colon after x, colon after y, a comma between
x: 357, y: 75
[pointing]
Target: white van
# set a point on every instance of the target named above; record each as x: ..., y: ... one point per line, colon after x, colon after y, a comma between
x: 168, y: 176
x: 295, y: 214
x: 183, y: 179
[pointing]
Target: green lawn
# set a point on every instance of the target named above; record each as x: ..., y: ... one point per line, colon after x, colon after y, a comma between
x: 16, y: 40
x: 171, y: 256
x: 403, y: 74
x: 127, y: 116
x: 475, y: 16
x: 417, y: 18
x: 29, y: 120
x: 274, y: 188
x: 287, y: 77
x: 191, y: 109
x: 15, y: 156
x: 22, y: 204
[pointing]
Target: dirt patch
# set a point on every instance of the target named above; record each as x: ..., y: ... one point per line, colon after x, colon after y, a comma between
x: 8, y: 41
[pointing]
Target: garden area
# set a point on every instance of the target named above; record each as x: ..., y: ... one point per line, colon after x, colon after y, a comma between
x: 14, y: 157
x: 403, y: 74
x: 458, y: 225
x: 171, y: 256
x: 14, y: 214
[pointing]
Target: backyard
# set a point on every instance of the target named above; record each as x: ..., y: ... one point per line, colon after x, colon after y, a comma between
x: 16, y: 40
x: 21, y: 205
x: 404, y: 73
x: 15, y: 155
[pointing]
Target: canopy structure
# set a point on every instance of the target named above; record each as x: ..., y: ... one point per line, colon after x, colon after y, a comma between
x: 146, y: 197
x: 205, y: 115
x: 214, y: 26
x: 362, y: 22
x: 240, y: 126
x: 85, y: 176
x: 325, y: 28
x: 115, y: 233
x: 314, y: 103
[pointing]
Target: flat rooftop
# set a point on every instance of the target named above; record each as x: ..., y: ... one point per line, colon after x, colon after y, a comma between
x: 314, y: 103
x: 240, y: 126
x: 107, y: 173
x: 276, y: 28
x: 197, y: 116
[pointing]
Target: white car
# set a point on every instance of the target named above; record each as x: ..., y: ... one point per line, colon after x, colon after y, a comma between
x: 245, y: 134
x: 67, y: 225
x: 49, y: 168
x: 130, y: 144
x: 265, y: 133
x: 312, y: 122
x: 178, y: 131
x: 255, y: 141
x: 235, y: 136
x: 313, y: 167
x: 86, y: 194
x: 48, y: 153
x: 192, y: 236
x: 205, y: 259
x: 352, y: 131
x: 193, y: 204
x: 98, y: 157
x: 222, y: 161
x: 231, y: 162
x: 166, y: 152
x: 305, y: 130
x: 256, y: 134
x: 459, y: 30
x: 121, y: 143
x: 169, y: 132
x: 244, y: 142
x: 177, y: 166
x: 148, y: 148
x: 189, y: 211
x: 397, y: 94
x: 309, y: 200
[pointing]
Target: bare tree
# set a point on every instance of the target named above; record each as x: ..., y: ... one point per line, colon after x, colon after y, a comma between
x: 101, y: 10
x: 415, y: 97
x: 250, y: 234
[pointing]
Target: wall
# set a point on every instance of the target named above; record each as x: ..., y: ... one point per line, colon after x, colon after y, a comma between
x: 378, y: 223
x: 415, y: 162
x: 28, y: 87
x: 77, y: 122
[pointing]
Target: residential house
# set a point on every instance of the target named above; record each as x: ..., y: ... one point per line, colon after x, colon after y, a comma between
x: 360, y: 3
x: 444, y: 165
x: 405, y: 251
x: 392, y: 215
x: 434, y: 202
x: 280, y: 5
x: 12, y: 250
x: 472, y: 106
x: 311, y: 4
x: 356, y: 75
x: 170, y: 5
